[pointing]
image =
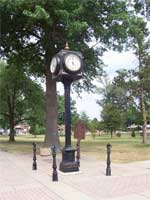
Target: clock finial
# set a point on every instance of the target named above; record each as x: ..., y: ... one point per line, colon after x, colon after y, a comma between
x: 67, y: 46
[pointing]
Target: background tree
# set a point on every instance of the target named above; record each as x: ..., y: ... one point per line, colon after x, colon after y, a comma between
x: 140, y: 33
x: 61, y: 110
x: 18, y: 94
x: 125, y: 82
x: 85, y: 118
x: 113, y: 104
x: 112, y: 119
x: 95, y: 126
x: 134, y: 115
x: 75, y: 117
x: 141, y: 42
x: 33, y: 31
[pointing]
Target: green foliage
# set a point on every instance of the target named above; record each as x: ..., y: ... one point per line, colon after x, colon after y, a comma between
x: 114, y: 103
x: 94, y: 125
x: 39, y: 13
x: 37, y: 130
x: 125, y: 80
x: 18, y: 94
x: 61, y: 111
x: 134, y: 115
x: 133, y: 133
x: 118, y: 134
x: 85, y: 118
x: 140, y: 86
x: 74, y: 118
x: 133, y: 101
x: 111, y: 117
x: 51, y: 23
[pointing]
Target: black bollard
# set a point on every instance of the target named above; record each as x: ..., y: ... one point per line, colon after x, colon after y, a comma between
x: 108, y: 169
x: 34, y: 166
x: 78, y: 153
x: 55, y: 174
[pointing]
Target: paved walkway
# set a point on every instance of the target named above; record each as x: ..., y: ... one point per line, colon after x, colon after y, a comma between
x: 19, y: 182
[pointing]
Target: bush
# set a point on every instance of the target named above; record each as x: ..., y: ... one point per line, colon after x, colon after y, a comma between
x: 37, y: 130
x: 118, y: 134
x: 40, y: 130
x: 133, y: 134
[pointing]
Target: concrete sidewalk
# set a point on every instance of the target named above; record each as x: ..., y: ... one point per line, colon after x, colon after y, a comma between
x: 18, y: 181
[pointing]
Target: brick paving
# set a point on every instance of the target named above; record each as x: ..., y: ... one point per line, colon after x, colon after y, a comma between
x: 19, y: 182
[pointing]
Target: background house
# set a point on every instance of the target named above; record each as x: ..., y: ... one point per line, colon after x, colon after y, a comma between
x: 22, y: 129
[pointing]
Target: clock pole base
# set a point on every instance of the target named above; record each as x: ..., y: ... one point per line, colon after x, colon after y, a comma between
x: 68, y: 163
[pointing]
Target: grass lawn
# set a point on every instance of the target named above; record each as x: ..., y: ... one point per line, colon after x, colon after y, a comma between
x: 124, y: 148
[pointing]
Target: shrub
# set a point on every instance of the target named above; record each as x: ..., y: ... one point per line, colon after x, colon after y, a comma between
x: 118, y: 134
x: 37, y: 130
x: 133, y: 134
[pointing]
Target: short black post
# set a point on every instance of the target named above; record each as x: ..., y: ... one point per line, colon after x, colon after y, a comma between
x: 108, y: 169
x: 78, y: 153
x: 34, y: 166
x: 55, y: 174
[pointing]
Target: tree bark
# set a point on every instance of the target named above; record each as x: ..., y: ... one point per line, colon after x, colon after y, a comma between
x: 111, y: 133
x: 11, y: 102
x: 51, y: 133
x: 12, y: 131
x: 142, y: 99
x: 143, y: 110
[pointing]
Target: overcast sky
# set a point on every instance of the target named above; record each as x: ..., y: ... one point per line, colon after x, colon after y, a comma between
x: 114, y: 61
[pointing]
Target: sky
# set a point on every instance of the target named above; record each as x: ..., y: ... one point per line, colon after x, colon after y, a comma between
x: 114, y: 61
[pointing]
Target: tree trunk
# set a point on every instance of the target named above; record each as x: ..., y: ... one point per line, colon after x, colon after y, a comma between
x: 143, y: 110
x: 142, y: 102
x: 11, y: 103
x: 51, y: 133
x: 12, y: 131
x: 111, y: 133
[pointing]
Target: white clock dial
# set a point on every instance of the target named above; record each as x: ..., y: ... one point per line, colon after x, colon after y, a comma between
x: 72, y: 62
x: 53, y: 65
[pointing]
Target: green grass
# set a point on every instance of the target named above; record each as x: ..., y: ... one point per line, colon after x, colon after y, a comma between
x: 23, y: 143
x: 124, y: 148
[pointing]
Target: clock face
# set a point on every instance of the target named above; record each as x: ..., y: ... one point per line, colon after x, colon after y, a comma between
x: 72, y: 62
x: 55, y: 65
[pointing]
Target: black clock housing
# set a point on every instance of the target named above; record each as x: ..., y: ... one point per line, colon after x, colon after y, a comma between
x: 67, y: 68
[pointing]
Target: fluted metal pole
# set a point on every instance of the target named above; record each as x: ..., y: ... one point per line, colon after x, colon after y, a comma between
x: 67, y: 85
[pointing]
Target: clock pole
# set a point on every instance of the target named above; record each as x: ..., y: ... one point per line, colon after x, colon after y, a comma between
x: 68, y: 163
x: 67, y: 85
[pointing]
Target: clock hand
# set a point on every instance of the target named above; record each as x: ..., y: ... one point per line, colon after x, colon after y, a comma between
x: 72, y: 62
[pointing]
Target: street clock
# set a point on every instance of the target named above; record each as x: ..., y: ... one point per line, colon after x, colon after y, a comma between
x: 67, y: 63
x: 67, y: 66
